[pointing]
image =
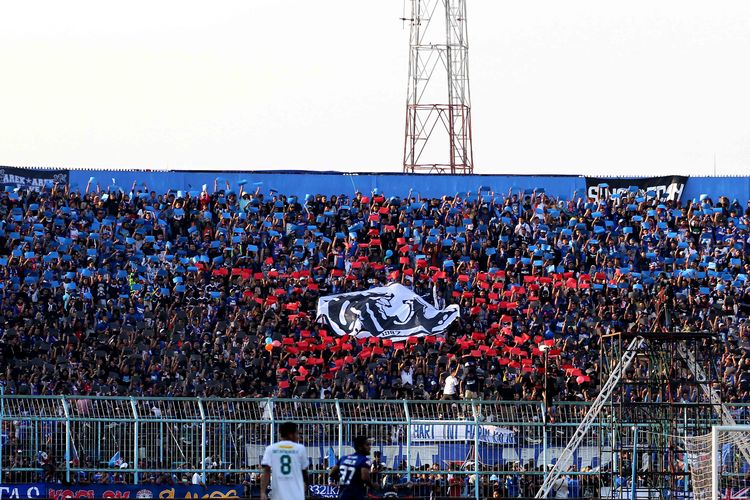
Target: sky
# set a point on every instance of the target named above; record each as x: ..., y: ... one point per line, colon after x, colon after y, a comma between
x: 565, y: 87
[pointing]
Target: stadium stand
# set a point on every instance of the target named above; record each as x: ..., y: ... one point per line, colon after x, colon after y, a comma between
x: 146, y: 293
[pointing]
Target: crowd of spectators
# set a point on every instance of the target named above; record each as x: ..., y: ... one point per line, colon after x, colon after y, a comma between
x: 112, y: 291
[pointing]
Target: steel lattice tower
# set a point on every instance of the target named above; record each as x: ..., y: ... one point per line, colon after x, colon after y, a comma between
x: 438, y: 106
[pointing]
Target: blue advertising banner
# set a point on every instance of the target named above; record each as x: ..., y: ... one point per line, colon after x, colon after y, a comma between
x: 37, y: 490
x: 300, y: 183
x: 324, y: 491
x: 59, y: 492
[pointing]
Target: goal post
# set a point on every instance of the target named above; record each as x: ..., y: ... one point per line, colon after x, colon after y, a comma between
x: 716, y: 458
x: 720, y: 463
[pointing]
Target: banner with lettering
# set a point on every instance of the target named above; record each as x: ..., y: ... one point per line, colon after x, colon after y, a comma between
x: 36, y: 490
x: 664, y: 188
x: 59, y: 492
x: 31, y: 179
x: 490, y: 434
x: 324, y: 491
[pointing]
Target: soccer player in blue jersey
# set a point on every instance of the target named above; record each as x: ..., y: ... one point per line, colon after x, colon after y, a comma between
x: 353, y: 472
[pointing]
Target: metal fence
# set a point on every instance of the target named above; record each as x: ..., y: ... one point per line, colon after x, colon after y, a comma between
x: 466, y: 448
x: 223, y: 439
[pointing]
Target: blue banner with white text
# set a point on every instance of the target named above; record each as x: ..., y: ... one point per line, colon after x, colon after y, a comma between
x: 61, y: 492
x: 35, y: 490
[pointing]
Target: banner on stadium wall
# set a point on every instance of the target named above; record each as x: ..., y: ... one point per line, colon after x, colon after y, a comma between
x: 389, y: 312
x: 23, y: 491
x: 324, y: 491
x: 490, y: 434
x: 666, y: 188
x: 31, y: 179
x: 59, y: 492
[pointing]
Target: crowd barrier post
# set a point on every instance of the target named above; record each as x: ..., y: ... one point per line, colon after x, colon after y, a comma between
x: 545, y: 430
x: 204, y: 437
x: 66, y: 413
x: 2, y: 424
x: 272, y: 430
x: 340, y: 447
x: 408, y: 440
x: 477, y: 477
x: 136, y: 461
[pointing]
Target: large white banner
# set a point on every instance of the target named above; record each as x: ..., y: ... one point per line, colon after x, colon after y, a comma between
x: 389, y: 312
x: 491, y: 434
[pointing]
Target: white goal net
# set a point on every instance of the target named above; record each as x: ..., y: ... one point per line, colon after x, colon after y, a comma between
x: 720, y: 463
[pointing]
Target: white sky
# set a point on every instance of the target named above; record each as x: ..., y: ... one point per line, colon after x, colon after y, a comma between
x: 627, y: 88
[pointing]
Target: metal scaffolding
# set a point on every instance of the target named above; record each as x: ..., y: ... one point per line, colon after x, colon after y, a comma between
x: 665, y: 395
x: 437, y: 137
x: 565, y: 459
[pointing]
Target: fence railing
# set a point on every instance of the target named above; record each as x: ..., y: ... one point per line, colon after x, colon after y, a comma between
x: 141, y: 439
x: 468, y: 446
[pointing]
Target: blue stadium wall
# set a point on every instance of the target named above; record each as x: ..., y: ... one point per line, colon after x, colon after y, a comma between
x: 300, y: 183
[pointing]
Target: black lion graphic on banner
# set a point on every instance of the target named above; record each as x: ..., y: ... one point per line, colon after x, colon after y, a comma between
x: 393, y: 312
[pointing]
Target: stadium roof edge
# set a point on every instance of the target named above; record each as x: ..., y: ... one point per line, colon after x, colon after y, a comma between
x: 337, y: 172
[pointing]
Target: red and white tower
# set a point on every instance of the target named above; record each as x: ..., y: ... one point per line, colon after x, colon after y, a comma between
x: 438, y: 105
